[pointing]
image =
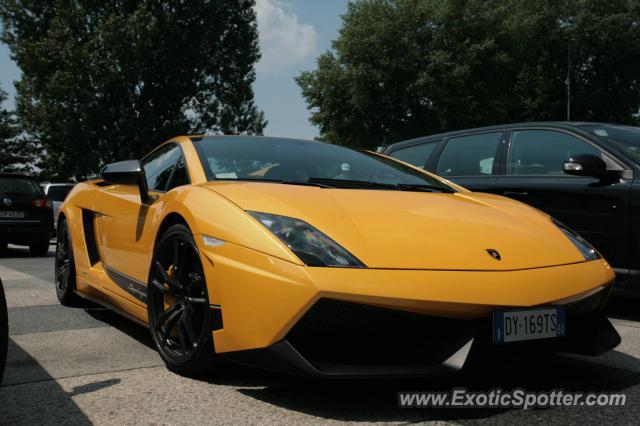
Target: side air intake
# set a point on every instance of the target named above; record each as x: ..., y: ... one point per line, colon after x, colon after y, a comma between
x: 88, y: 218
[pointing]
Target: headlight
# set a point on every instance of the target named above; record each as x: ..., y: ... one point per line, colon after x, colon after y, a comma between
x: 312, y: 246
x: 581, y: 244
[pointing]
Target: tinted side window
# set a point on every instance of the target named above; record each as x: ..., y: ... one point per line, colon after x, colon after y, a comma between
x: 180, y: 176
x: 471, y: 155
x: 415, y: 154
x: 543, y: 152
x: 58, y: 192
x: 158, y: 166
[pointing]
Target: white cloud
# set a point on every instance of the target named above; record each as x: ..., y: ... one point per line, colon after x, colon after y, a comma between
x: 283, y: 40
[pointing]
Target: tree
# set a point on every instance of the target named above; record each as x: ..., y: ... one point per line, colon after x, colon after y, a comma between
x: 106, y: 81
x: 7, y: 133
x: 17, y: 155
x: 406, y: 68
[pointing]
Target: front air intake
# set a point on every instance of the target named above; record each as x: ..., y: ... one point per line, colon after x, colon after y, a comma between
x: 88, y: 218
x: 336, y: 332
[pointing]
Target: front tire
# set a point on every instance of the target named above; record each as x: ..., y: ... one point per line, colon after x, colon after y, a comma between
x: 65, y: 270
x: 178, y: 305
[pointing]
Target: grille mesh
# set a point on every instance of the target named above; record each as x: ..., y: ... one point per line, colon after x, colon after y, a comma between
x: 589, y: 304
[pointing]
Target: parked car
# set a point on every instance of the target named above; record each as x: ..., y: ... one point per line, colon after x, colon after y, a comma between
x: 4, y: 331
x: 317, y: 259
x: 56, y: 193
x: 587, y: 175
x: 25, y: 214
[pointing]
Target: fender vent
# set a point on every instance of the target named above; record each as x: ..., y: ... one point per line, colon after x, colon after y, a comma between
x: 88, y: 218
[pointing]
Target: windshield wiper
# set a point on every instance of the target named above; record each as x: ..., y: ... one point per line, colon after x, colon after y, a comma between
x: 424, y: 187
x: 349, y: 183
x: 283, y: 181
x: 379, y: 185
x: 307, y: 183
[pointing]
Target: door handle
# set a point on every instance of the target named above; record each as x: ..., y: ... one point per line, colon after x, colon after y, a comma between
x: 515, y: 193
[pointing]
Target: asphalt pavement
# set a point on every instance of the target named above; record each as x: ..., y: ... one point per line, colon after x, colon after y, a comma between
x: 72, y: 366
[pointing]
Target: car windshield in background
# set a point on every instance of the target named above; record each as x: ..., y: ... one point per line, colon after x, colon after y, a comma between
x: 58, y: 192
x: 625, y: 138
x: 17, y: 185
x: 307, y: 162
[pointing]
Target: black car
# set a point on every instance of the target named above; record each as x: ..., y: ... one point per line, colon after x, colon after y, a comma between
x: 26, y: 216
x: 586, y: 175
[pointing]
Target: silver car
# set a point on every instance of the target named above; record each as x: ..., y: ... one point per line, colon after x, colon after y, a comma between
x: 56, y: 193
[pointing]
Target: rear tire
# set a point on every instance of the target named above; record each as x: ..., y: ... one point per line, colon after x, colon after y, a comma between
x: 3, y: 248
x: 65, y: 270
x: 178, y: 305
x: 39, y: 247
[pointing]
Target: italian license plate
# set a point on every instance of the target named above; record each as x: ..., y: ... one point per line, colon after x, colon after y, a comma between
x: 11, y: 214
x: 515, y: 325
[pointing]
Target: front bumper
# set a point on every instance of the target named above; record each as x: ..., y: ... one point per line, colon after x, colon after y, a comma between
x: 342, y: 339
x: 338, y: 339
x: 268, y: 306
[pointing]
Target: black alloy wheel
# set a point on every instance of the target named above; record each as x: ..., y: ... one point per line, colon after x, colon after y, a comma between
x: 65, y: 270
x: 178, y: 304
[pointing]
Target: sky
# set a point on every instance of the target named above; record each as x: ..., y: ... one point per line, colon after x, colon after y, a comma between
x: 292, y: 35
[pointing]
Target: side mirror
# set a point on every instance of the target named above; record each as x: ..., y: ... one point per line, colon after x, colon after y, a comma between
x: 128, y: 172
x: 589, y: 165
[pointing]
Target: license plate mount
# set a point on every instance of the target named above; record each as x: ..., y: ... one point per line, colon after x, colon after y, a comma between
x: 11, y: 214
x: 517, y: 325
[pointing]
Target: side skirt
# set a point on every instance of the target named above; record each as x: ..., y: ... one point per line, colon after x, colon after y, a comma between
x: 111, y: 307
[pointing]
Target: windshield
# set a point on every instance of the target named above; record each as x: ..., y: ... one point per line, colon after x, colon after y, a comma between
x: 298, y: 161
x: 18, y: 185
x: 625, y: 138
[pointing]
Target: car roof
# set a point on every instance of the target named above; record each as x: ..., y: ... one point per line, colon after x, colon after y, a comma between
x: 530, y: 124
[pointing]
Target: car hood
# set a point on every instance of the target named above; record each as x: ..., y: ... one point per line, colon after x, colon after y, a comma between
x: 416, y: 230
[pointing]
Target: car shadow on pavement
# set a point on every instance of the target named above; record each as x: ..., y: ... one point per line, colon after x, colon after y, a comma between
x: 377, y: 400
x: 124, y: 325
x: 29, y: 395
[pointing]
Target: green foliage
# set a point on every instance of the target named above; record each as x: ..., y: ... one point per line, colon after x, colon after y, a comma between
x: 7, y: 133
x: 407, y: 68
x: 16, y: 153
x: 106, y: 81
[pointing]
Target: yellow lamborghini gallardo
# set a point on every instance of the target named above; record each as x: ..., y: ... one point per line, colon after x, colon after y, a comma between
x: 312, y: 258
